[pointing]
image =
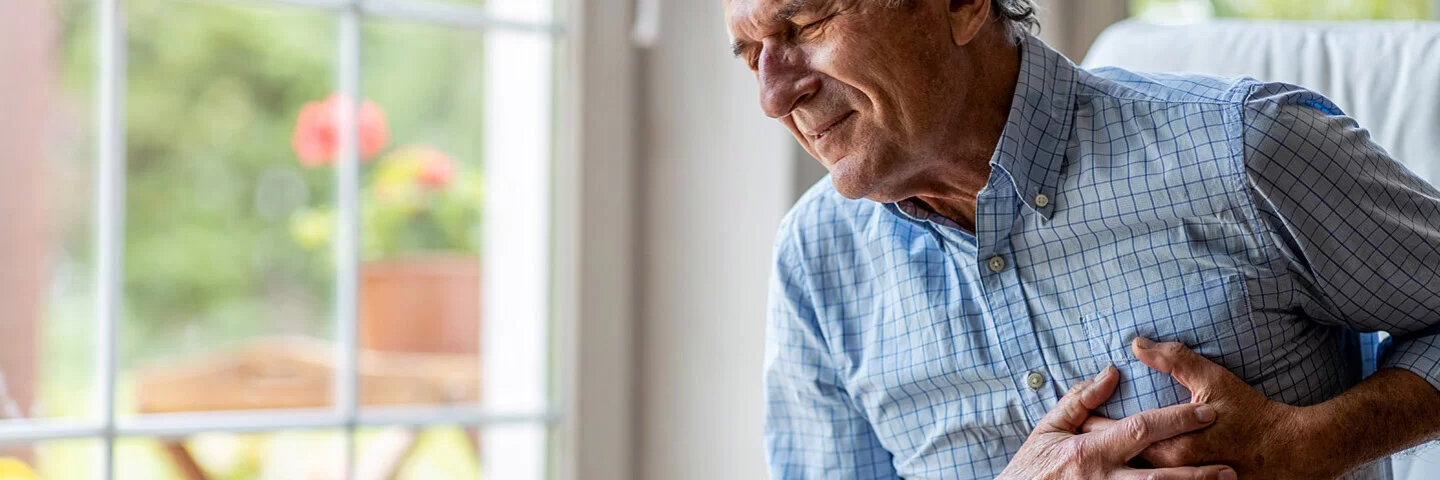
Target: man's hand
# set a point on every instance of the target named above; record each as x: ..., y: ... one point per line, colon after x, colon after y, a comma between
x: 1055, y: 451
x: 1254, y: 435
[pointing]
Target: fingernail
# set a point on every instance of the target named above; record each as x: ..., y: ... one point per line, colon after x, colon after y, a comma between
x: 1204, y: 414
x: 1227, y: 474
x: 1144, y: 343
x: 1105, y: 373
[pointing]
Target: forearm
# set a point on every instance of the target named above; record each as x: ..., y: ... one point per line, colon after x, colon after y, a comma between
x: 1392, y: 410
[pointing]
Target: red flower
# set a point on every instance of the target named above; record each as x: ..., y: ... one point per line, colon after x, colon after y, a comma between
x: 436, y: 168
x: 317, y: 137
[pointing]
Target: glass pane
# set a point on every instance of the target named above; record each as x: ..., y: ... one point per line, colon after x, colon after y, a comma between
x: 228, y: 284
x: 47, y: 364
x: 514, y: 451
x: 523, y: 10
x: 454, y: 217
x: 403, y: 453
x: 504, y: 451
x: 510, y: 10
x: 57, y: 459
x: 1164, y: 10
x: 311, y: 455
x: 422, y: 199
x: 466, y: 2
x: 1172, y: 11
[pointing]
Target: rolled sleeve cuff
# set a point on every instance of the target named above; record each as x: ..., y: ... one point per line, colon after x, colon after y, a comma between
x: 1416, y: 354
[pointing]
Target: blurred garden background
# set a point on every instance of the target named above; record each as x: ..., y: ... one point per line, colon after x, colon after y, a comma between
x: 228, y: 216
x: 1326, y: 10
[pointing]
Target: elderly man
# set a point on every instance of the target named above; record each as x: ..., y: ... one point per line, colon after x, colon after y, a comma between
x: 999, y: 224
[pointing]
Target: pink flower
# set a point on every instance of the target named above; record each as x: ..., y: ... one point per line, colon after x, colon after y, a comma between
x: 436, y: 168
x: 317, y: 137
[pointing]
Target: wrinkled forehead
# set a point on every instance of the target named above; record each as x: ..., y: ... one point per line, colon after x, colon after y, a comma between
x: 754, y: 19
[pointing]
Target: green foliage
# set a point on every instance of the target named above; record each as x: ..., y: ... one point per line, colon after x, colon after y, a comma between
x: 212, y: 95
x: 1305, y: 9
x: 1323, y: 10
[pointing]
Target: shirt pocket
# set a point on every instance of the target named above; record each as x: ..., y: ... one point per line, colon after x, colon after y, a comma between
x: 1205, y: 317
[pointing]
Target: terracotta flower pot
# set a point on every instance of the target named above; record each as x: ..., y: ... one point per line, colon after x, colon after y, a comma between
x: 426, y: 303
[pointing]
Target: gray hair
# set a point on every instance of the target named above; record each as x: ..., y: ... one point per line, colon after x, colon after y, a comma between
x: 1017, y: 15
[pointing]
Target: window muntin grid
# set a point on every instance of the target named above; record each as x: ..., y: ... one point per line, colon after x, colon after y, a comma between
x: 523, y: 34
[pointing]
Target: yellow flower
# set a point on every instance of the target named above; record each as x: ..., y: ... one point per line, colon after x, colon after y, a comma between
x: 395, y: 181
x: 311, y: 229
x: 13, y: 469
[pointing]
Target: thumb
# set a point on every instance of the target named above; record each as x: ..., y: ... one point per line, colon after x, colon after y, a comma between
x: 1191, y: 369
x: 1072, y: 410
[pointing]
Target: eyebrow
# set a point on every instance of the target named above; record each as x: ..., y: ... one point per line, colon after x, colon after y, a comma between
x: 792, y: 8
x: 785, y: 14
x: 738, y: 47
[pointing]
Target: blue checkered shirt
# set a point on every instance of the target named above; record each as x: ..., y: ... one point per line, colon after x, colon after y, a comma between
x: 1252, y: 221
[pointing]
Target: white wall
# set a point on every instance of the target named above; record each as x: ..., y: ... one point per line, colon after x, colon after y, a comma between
x: 716, y: 179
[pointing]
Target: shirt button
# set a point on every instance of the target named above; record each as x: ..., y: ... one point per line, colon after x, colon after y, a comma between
x: 1035, y: 380
x: 1041, y: 200
x: 997, y: 264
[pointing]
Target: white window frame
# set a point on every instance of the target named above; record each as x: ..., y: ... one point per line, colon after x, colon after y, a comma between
x: 583, y: 214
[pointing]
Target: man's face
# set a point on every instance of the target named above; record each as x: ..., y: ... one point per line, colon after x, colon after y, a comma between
x: 869, y: 89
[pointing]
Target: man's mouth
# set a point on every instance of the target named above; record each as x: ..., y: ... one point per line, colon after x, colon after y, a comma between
x: 824, y: 130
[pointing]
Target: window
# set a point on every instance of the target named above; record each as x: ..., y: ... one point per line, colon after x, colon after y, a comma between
x: 292, y: 239
x: 1192, y: 10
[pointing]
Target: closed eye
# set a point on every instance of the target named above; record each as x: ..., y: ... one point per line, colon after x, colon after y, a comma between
x: 808, y: 30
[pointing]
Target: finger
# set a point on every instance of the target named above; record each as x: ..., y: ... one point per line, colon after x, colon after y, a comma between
x: 1175, y: 452
x: 1095, y: 424
x: 1208, y: 472
x: 1191, y: 369
x: 1075, y: 406
x: 1130, y: 436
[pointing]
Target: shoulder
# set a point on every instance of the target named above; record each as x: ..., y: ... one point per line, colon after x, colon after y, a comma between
x: 1285, y: 125
x: 1262, y: 107
x: 1274, y: 96
x: 823, y: 215
x: 1251, y: 95
x: 1280, y: 115
x: 1179, y: 88
x: 825, y: 229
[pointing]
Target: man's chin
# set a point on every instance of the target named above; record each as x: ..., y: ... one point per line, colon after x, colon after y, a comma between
x: 852, y: 185
x: 846, y: 180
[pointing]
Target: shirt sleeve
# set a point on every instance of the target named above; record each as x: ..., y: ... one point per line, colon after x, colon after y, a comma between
x: 812, y: 428
x: 1359, y: 230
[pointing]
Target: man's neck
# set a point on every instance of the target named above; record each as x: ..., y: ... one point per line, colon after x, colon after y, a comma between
x: 952, y: 192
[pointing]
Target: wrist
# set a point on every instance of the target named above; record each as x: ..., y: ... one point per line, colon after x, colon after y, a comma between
x: 1315, y: 446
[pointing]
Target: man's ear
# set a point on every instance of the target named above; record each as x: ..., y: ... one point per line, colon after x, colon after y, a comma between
x: 966, y: 18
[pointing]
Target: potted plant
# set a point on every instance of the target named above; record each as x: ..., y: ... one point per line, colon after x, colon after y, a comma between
x: 420, y: 228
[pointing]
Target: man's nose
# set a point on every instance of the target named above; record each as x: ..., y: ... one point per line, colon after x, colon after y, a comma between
x: 785, y: 78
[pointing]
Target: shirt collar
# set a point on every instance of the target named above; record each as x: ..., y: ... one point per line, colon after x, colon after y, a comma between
x: 1037, y: 131
x: 1032, y: 146
x: 917, y: 213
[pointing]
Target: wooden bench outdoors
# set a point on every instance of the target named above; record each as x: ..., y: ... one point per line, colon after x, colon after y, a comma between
x: 299, y: 373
